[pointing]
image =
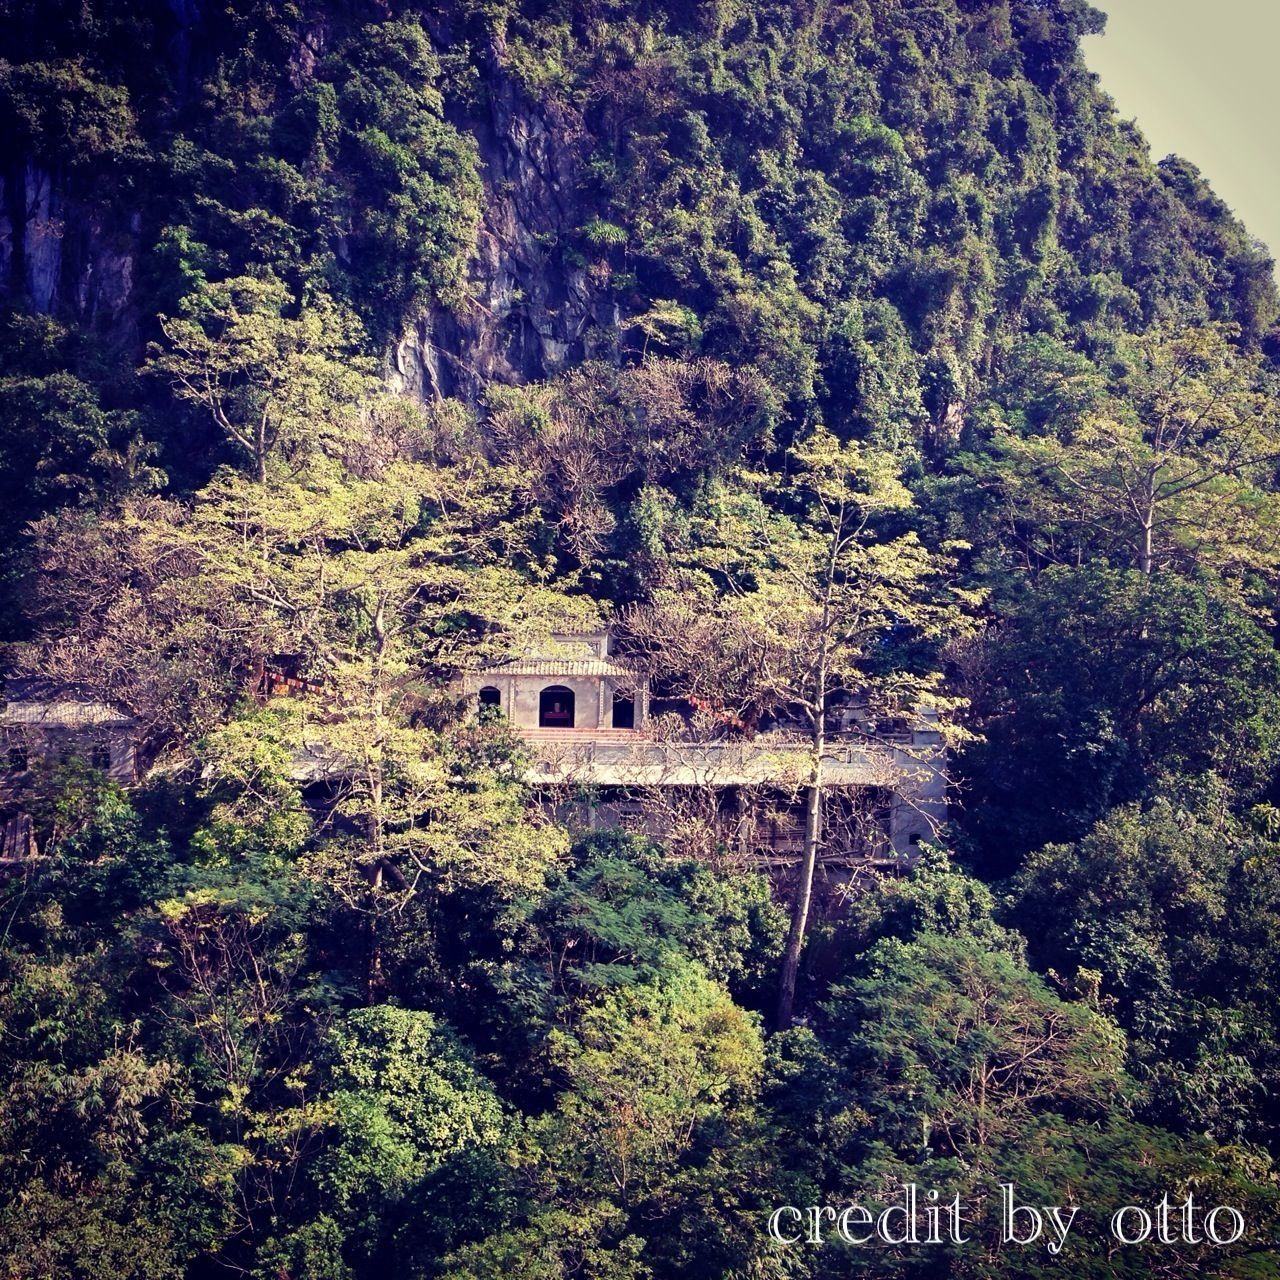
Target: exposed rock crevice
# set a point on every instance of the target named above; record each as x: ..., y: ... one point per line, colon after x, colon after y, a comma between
x: 529, y: 308
x: 64, y: 257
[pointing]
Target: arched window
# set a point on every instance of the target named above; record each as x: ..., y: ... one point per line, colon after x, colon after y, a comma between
x: 490, y: 697
x: 624, y: 711
x: 555, y: 707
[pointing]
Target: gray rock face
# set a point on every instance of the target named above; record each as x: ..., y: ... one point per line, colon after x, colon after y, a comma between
x: 529, y: 308
x: 31, y: 232
x: 529, y: 312
x: 42, y: 238
x: 65, y: 257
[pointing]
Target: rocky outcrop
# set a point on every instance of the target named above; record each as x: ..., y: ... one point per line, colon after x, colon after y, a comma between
x: 530, y: 308
x: 63, y: 257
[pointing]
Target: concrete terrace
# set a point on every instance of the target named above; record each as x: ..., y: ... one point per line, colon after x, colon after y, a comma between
x: 629, y: 758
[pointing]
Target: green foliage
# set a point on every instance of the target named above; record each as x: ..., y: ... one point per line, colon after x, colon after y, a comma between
x: 1106, y: 685
x: 860, y: 362
x: 649, y: 1067
x: 1140, y: 917
x: 401, y: 1099
x: 617, y: 915
x: 62, y: 112
x: 595, y: 435
x: 956, y: 1068
x: 936, y: 899
x: 1158, y: 461
x: 969, y: 1048
x: 60, y: 443
x: 349, y: 181
x: 277, y: 386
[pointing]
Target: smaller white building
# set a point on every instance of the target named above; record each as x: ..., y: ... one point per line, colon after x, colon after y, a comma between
x: 49, y: 721
x: 572, y: 683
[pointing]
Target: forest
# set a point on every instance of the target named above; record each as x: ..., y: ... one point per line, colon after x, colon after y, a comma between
x: 830, y: 350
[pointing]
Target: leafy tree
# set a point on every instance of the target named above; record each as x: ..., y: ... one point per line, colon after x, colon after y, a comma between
x: 401, y: 1099
x: 121, y: 602
x: 1103, y: 686
x: 1171, y: 462
x: 108, y: 1164
x: 647, y: 1067
x: 856, y: 590
x: 64, y: 112
x: 404, y: 177
x: 588, y: 1242
x: 1134, y: 917
x: 584, y: 439
x: 274, y: 384
x: 615, y: 914
x: 808, y: 604
x: 658, y: 1081
x: 957, y: 1048
x: 957, y: 1068
x: 59, y: 444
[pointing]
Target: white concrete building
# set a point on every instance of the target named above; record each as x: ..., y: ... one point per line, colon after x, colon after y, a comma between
x: 586, y: 714
x: 46, y: 720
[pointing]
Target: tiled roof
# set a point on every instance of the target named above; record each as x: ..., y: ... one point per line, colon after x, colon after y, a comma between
x: 47, y: 704
x: 560, y: 667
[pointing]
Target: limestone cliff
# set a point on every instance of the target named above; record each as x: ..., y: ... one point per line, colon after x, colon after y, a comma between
x: 529, y: 311
x: 526, y: 311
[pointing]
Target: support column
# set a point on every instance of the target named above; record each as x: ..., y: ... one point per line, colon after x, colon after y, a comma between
x: 918, y: 808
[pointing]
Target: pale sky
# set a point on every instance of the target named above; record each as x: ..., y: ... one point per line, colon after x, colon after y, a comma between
x: 1200, y: 77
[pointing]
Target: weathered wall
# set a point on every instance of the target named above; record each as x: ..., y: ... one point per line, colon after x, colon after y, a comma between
x: 521, y: 694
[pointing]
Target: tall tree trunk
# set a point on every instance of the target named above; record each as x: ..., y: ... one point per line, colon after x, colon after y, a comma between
x: 376, y: 821
x: 1147, y: 516
x: 804, y: 896
x: 373, y: 979
x: 809, y: 859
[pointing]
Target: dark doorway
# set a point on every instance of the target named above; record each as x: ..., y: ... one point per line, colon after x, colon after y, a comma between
x: 490, y: 697
x: 624, y: 712
x: 555, y: 707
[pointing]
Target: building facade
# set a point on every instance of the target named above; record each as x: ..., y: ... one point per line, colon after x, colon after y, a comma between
x: 599, y: 761
x: 572, y: 683
x: 46, y: 722
x: 43, y: 720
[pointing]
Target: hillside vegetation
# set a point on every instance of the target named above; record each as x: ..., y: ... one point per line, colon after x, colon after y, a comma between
x: 388, y: 335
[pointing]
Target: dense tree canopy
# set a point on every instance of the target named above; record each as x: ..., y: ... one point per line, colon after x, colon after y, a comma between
x: 863, y: 369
